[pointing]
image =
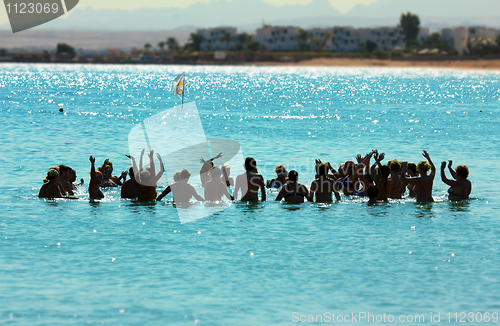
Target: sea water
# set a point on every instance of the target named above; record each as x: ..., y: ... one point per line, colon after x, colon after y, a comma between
x: 124, y: 262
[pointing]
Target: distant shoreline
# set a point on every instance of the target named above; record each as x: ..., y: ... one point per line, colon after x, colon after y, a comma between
x: 466, y: 64
x: 478, y: 64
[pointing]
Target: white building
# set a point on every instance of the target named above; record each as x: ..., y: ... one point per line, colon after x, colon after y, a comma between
x: 349, y: 39
x: 220, y: 38
x: 460, y: 38
x: 278, y: 38
x: 483, y: 32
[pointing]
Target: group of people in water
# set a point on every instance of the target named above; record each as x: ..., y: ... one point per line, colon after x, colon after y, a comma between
x: 376, y: 181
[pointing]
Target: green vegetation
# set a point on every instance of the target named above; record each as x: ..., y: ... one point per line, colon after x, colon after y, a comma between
x: 194, y: 43
x: 172, y: 44
x: 64, y: 49
x: 410, y: 24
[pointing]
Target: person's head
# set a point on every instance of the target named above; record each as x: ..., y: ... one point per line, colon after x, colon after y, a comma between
x: 185, y: 175
x: 144, y: 176
x: 177, y: 176
x: 131, y: 173
x: 293, y: 176
x: 395, y: 166
x: 385, y: 171
x: 342, y: 169
x: 349, y: 167
x: 72, y: 175
x: 108, y: 170
x: 64, y: 171
x: 226, y: 170
x: 372, y: 191
x: 463, y: 171
x: 215, y: 173
x: 322, y: 169
x: 412, y: 169
x: 280, y: 170
x: 250, y: 164
x: 52, y: 176
x: 423, y: 167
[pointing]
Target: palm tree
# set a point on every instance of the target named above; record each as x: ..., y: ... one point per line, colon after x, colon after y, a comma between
x: 172, y: 44
x: 147, y: 46
x: 161, y: 45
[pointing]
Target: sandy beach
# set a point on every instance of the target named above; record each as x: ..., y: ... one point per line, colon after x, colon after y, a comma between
x: 493, y: 64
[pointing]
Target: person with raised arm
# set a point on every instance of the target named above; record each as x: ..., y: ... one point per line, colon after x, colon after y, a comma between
x: 128, y: 190
x: 250, y: 182
x: 382, y: 180
x: 323, y: 187
x: 146, y: 179
x: 293, y: 191
x: 95, y: 181
x: 461, y: 187
x: 205, y: 168
x: 423, y: 183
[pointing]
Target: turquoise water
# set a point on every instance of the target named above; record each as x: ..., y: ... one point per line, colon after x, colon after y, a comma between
x: 123, y: 262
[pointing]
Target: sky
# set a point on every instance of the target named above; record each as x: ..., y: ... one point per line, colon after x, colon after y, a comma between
x: 342, y: 6
x: 247, y: 15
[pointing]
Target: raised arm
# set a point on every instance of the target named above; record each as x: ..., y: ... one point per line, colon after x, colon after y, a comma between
x: 443, y: 175
x: 152, y: 169
x: 162, y: 168
x: 372, y: 173
x: 134, y: 167
x: 453, y: 173
x: 104, y: 164
x: 433, y: 168
x: 140, y: 161
x: 92, y: 169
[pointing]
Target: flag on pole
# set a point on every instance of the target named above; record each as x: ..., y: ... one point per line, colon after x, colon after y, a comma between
x: 179, y: 83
